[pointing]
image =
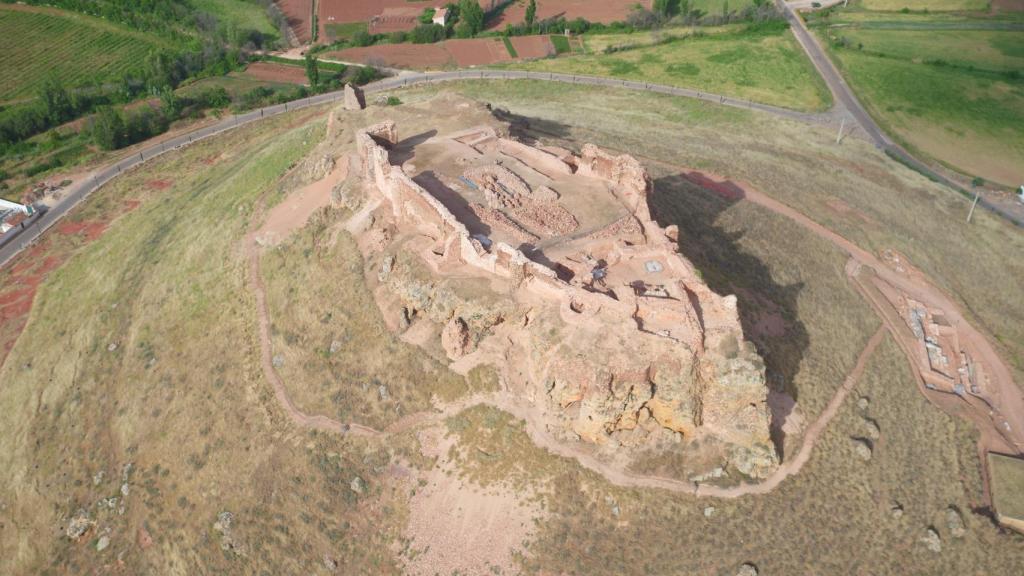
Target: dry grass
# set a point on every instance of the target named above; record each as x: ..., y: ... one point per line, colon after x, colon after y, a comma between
x: 182, y: 395
x: 143, y: 349
x: 318, y: 300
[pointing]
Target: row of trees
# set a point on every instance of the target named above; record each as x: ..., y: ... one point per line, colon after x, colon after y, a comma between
x: 684, y: 12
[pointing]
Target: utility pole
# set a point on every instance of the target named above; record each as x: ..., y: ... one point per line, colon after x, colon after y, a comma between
x: 839, y: 135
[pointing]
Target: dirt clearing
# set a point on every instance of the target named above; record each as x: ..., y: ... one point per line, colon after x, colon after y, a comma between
x: 477, y: 51
x: 529, y: 47
x: 457, y: 527
x: 397, y: 55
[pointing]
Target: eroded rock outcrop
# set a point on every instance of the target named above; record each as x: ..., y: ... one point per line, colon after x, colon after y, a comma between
x: 610, y: 333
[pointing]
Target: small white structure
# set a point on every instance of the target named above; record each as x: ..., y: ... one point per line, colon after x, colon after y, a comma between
x: 8, y: 210
x: 440, y: 16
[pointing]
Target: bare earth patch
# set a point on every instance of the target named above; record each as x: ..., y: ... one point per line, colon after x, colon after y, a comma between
x: 270, y: 72
x: 457, y: 527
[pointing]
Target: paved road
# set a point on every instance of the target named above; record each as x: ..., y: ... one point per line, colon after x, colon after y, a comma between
x: 87, y: 186
x: 849, y: 104
x: 84, y: 188
x: 11, y: 246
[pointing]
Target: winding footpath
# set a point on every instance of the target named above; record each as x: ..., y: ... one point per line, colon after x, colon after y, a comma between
x: 534, y: 426
x: 857, y: 269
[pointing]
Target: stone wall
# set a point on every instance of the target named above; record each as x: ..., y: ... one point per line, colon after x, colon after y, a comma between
x: 541, y: 161
x: 691, y: 368
x: 413, y: 205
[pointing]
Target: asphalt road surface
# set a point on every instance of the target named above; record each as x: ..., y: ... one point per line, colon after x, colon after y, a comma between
x: 843, y: 95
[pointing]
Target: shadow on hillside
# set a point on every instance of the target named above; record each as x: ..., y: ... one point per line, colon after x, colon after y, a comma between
x: 526, y: 129
x: 404, y: 149
x: 768, y: 310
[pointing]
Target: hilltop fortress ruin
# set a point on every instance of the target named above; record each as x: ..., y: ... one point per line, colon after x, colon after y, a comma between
x: 549, y: 266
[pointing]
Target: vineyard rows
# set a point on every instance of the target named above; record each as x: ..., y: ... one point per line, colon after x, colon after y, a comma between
x: 75, y: 48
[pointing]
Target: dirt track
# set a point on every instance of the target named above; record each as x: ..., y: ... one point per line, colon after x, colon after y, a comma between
x: 535, y: 428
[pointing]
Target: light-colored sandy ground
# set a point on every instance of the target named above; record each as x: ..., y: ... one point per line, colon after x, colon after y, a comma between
x: 456, y: 527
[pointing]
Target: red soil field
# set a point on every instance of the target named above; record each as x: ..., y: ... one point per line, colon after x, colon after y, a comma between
x: 477, y: 51
x: 467, y: 52
x: 1007, y: 6
x: 341, y: 11
x: 395, y: 20
x: 397, y: 55
x: 603, y: 11
x: 530, y: 47
x: 271, y: 72
x: 299, y: 14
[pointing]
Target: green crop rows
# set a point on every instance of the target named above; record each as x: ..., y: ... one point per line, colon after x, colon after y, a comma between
x: 76, y: 49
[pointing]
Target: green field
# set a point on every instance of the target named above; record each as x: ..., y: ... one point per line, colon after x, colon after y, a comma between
x: 240, y: 14
x: 930, y: 5
x: 340, y: 31
x: 998, y: 51
x: 954, y: 95
x: 76, y: 48
x: 764, y: 67
x: 1008, y: 485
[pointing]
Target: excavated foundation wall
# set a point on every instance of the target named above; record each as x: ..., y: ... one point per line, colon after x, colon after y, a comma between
x: 702, y: 376
x: 412, y: 204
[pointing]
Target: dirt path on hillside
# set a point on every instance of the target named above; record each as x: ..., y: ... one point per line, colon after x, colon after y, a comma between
x: 864, y: 270
x: 535, y: 427
x: 1003, y: 397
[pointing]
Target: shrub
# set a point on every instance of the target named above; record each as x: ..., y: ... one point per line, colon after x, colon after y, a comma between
x: 365, y: 75
x: 393, y: 101
x: 427, y: 34
x: 361, y: 38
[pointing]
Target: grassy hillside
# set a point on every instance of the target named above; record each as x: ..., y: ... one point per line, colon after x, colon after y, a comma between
x: 766, y: 67
x: 76, y: 48
x: 164, y: 394
x: 955, y: 95
x: 837, y: 502
x: 143, y: 349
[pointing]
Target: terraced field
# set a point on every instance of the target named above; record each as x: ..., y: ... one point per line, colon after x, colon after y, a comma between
x: 76, y: 48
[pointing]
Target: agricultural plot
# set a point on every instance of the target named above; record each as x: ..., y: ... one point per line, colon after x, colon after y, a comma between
x: 768, y: 68
x: 930, y: 5
x: 954, y: 95
x: 605, y: 11
x: 299, y: 14
x: 240, y: 14
x: 76, y: 48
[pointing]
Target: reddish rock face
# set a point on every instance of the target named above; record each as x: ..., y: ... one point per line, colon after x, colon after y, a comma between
x: 455, y: 338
